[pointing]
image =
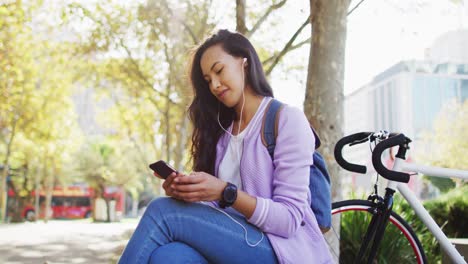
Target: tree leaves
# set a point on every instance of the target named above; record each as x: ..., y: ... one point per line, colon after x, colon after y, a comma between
x: 36, y: 112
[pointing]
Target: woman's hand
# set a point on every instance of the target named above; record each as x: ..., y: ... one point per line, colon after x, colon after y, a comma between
x: 168, y: 183
x: 198, y: 186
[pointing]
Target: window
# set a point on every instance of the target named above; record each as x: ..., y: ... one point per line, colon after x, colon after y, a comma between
x: 82, y: 201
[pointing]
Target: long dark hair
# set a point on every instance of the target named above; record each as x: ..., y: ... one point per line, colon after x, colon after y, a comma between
x: 204, y: 108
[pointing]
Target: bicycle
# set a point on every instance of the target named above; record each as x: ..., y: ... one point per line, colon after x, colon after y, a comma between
x: 373, y: 221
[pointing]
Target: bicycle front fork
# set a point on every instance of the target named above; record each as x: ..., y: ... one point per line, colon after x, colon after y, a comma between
x: 374, y: 234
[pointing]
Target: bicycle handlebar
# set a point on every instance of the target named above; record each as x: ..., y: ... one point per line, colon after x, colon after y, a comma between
x: 398, y: 140
x: 391, y: 140
x: 353, y: 139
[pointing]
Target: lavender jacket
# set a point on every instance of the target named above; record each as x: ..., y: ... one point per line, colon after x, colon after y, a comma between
x: 283, y: 210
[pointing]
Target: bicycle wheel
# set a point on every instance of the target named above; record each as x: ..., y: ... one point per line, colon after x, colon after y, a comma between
x: 399, y: 244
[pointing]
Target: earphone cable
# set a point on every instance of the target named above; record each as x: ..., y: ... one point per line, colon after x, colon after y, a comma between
x: 242, y: 108
x: 243, y: 227
x: 237, y: 155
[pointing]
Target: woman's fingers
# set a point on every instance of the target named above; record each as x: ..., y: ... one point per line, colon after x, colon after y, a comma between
x: 198, y: 186
x: 168, y: 184
x: 187, y: 187
x: 190, y: 196
x: 169, y: 180
x: 193, y: 178
x: 157, y: 175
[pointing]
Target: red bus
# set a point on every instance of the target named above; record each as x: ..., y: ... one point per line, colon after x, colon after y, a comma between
x: 71, y: 202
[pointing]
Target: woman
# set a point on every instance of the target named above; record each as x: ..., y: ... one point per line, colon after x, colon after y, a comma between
x: 237, y: 206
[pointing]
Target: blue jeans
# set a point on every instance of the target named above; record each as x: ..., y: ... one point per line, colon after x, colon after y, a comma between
x: 172, y: 231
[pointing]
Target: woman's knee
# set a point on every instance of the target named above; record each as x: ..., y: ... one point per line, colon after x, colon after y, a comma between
x: 163, y: 204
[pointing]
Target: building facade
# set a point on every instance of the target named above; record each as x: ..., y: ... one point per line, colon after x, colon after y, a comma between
x: 405, y: 98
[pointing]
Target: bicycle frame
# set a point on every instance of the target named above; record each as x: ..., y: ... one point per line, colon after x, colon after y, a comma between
x: 421, y: 212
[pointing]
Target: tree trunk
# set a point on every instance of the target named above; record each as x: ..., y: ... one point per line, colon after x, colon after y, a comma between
x: 6, y: 169
x: 93, y: 205
x: 323, y: 103
x: 167, y: 133
x: 48, y: 199
x: 48, y: 188
x: 3, y: 192
x: 108, y: 220
x: 240, y: 17
x: 182, y: 144
x: 17, y: 216
x: 14, y: 205
x: 37, y: 207
x: 99, y: 215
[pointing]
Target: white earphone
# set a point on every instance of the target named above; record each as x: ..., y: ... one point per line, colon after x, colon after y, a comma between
x: 244, y: 60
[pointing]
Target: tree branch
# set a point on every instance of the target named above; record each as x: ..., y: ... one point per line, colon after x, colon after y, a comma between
x: 300, y: 44
x: 129, y: 132
x: 240, y: 17
x: 287, y: 47
x: 264, y: 17
x: 190, y: 31
x: 129, y: 54
x: 354, y: 8
x: 185, y: 25
x: 205, y: 19
x: 141, y: 75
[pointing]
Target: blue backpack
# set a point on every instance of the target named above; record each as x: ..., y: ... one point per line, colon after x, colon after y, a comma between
x: 319, y: 183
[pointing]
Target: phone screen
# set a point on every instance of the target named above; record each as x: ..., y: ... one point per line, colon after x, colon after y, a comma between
x: 162, y: 168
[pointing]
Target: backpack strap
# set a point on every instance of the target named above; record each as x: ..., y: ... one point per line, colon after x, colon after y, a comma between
x: 318, y: 142
x: 270, y: 125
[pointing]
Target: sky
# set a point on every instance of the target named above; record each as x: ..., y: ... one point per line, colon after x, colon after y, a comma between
x: 380, y: 33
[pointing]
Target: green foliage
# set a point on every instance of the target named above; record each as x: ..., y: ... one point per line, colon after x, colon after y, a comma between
x: 105, y: 162
x: 142, y: 51
x: 446, y: 145
x: 37, y: 122
x: 449, y: 211
x: 443, y: 184
x: 133, y: 55
x: 458, y: 2
x: 394, y: 247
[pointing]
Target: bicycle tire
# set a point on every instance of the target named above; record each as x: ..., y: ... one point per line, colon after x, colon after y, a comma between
x: 399, y: 245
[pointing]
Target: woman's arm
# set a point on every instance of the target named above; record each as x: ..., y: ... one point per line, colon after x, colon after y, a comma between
x: 245, y: 203
x: 284, y: 212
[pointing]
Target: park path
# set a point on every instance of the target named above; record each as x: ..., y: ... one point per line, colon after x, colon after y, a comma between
x: 64, y: 241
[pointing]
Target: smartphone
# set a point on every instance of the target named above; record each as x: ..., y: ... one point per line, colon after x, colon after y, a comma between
x: 162, y: 168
